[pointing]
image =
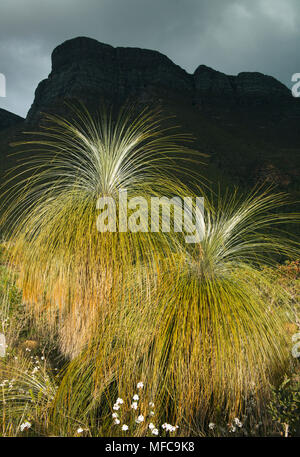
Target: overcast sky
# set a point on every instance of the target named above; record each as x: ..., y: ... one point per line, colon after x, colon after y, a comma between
x: 228, y: 35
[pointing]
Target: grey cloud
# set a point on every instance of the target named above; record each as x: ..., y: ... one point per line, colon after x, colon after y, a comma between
x: 228, y: 35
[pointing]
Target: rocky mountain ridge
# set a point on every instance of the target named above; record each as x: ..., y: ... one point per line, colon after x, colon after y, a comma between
x: 85, y: 69
x: 247, y: 124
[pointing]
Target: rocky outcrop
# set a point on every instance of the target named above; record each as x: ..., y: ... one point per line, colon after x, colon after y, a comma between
x: 259, y: 87
x: 246, y: 88
x: 8, y: 119
x: 212, y: 85
x: 85, y: 69
x: 247, y: 124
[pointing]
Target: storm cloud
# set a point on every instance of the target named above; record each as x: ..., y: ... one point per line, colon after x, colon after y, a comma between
x: 228, y: 35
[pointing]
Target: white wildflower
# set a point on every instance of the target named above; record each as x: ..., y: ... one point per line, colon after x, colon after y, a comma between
x: 114, y: 415
x: 211, y: 426
x: 79, y: 430
x: 116, y: 407
x: 155, y: 431
x: 169, y: 427
x: 135, y: 397
x: 140, y: 385
x: 134, y: 405
x: 117, y: 421
x: 151, y: 426
x: 25, y: 426
x: 237, y: 422
x: 119, y: 401
x: 124, y: 427
x: 140, y: 419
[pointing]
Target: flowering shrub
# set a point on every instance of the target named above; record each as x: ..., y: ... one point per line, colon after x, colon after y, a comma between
x: 131, y: 414
x: 27, y: 390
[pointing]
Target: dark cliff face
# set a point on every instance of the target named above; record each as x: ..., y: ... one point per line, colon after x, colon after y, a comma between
x: 85, y: 69
x: 88, y: 70
x: 8, y: 119
x: 248, y: 124
x: 244, y: 88
x: 10, y: 124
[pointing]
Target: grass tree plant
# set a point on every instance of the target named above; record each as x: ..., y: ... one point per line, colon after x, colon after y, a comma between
x: 68, y: 270
x: 202, y: 325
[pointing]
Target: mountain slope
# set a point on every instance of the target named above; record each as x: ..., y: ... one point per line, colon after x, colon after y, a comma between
x: 8, y: 119
x: 248, y: 124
